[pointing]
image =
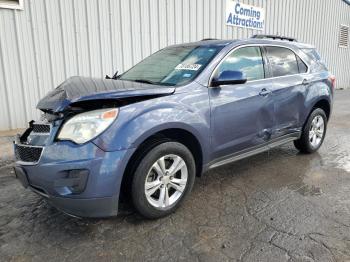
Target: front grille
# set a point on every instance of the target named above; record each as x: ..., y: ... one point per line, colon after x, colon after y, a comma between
x: 41, y: 128
x: 28, y: 153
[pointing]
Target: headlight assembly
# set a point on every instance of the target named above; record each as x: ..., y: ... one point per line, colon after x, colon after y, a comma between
x: 86, y: 126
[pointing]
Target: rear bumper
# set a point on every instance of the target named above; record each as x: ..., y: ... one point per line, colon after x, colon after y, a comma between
x: 81, y: 180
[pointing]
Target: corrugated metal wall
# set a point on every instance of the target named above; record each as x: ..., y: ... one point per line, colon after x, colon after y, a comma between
x: 51, y: 40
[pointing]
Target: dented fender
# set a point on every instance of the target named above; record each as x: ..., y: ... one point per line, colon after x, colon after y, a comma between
x: 137, y: 122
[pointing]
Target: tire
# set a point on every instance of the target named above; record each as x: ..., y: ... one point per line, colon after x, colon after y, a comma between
x: 311, y: 138
x: 155, y: 175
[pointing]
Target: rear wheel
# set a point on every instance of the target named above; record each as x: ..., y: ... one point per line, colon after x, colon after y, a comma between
x: 162, y: 180
x: 313, y: 132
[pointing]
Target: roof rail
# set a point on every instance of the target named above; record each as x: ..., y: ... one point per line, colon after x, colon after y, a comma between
x: 206, y: 39
x: 274, y: 37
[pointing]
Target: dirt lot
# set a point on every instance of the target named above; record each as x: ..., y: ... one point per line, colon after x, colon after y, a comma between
x: 276, y: 206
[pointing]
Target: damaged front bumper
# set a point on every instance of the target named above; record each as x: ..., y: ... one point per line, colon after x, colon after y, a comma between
x: 81, y: 180
x: 90, y: 207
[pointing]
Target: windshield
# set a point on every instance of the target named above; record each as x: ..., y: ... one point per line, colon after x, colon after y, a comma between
x: 172, y: 66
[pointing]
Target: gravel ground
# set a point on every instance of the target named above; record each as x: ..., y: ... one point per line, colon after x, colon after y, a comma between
x: 276, y: 206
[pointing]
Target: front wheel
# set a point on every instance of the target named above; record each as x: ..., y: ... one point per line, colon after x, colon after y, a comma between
x: 162, y: 179
x: 313, y: 132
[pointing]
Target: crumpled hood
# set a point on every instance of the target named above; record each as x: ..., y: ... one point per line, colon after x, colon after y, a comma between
x: 78, y: 89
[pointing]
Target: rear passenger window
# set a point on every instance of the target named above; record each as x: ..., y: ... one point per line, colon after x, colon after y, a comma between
x: 247, y: 60
x: 282, y: 60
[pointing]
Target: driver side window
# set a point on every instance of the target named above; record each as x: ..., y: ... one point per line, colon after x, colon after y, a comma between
x: 247, y: 60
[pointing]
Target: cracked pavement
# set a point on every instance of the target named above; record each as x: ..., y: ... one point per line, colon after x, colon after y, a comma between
x: 275, y: 206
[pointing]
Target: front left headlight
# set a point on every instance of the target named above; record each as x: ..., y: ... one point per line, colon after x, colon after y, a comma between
x: 86, y: 126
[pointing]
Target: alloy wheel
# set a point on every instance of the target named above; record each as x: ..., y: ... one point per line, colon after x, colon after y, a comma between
x: 316, y: 131
x: 166, y: 181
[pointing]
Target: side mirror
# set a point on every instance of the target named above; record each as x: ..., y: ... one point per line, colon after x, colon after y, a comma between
x: 229, y: 78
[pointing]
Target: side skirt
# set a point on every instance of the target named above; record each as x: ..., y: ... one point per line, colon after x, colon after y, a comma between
x: 254, y: 150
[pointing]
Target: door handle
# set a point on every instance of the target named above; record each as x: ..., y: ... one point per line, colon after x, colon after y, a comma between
x: 264, y: 92
x: 306, y: 82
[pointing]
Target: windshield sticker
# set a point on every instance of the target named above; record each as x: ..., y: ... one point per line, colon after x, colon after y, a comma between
x: 194, y: 67
x: 187, y: 75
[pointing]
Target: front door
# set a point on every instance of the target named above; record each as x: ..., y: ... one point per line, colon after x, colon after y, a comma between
x: 242, y: 115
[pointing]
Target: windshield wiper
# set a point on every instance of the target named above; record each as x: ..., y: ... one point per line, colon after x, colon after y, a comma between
x: 152, y: 83
x: 145, y: 81
x: 114, y: 77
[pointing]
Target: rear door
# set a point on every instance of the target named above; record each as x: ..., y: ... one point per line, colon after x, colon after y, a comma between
x: 242, y: 115
x: 290, y: 81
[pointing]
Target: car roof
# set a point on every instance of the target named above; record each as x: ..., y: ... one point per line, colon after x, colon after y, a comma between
x: 237, y: 42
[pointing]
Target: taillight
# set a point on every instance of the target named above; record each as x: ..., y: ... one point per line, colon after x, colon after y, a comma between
x: 332, y: 79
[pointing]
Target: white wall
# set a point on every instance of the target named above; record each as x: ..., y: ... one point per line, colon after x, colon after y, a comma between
x: 51, y: 40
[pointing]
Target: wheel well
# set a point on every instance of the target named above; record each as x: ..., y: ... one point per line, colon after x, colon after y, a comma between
x: 324, y: 105
x: 175, y: 134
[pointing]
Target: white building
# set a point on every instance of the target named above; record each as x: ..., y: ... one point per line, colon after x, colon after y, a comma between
x: 43, y: 42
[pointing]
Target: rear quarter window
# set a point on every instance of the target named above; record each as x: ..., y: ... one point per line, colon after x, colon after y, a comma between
x: 315, y: 57
x: 312, y: 53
